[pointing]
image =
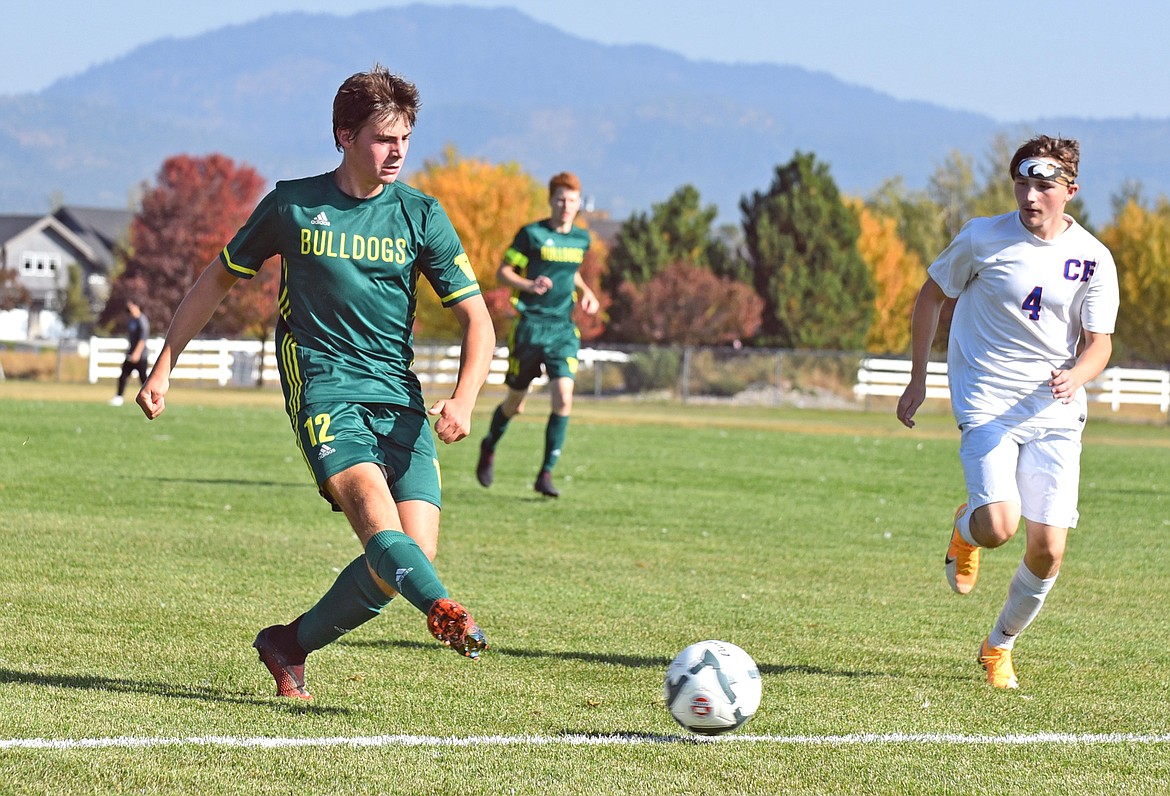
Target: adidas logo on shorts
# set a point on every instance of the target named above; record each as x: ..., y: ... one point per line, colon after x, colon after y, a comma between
x: 324, y: 451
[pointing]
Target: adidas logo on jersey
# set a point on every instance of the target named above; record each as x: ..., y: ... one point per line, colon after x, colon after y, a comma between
x: 320, y: 219
x: 324, y: 451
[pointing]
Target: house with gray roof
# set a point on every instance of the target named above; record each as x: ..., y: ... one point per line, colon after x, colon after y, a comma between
x: 40, y: 250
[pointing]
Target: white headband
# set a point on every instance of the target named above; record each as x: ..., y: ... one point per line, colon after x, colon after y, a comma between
x: 1044, y: 169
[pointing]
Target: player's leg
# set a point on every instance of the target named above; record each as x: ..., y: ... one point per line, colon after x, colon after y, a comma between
x: 523, y: 367
x: 1029, y: 587
x: 123, y: 377
x: 447, y: 620
x: 342, y: 452
x: 1049, y: 476
x: 555, y: 430
x: 989, y: 454
x: 560, y: 357
x: 512, y: 405
x: 356, y: 596
x: 1031, y: 583
x: 403, y: 559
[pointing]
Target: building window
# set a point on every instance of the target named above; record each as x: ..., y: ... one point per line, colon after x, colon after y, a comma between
x: 40, y: 263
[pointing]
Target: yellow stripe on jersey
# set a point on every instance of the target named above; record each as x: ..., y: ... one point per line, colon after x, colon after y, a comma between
x: 282, y: 302
x: 290, y: 368
x: 238, y: 270
x: 286, y: 361
x: 448, y: 300
x: 517, y: 260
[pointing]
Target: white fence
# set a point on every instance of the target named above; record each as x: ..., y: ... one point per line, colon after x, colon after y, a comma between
x: 220, y: 362
x: 1115, y: 386
x: 234, y: 362
x: 241, y: 362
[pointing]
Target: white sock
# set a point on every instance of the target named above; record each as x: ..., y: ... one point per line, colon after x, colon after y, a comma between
x: 1025, y: 599
x: 964, y: 524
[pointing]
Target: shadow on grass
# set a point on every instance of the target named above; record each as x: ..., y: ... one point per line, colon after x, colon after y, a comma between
x: 232, y: 482
x: 93, y: 682
x: 628, y: 661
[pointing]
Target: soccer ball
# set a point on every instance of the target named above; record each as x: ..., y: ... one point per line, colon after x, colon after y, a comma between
x: 712, y: 687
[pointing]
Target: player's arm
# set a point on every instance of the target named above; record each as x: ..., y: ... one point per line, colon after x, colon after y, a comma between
x: 589, y: 301
x: 475, y: 358
x: 192, y: 315
x: 507, y: 274
x: 923, y: 325
x: 1094, y: 356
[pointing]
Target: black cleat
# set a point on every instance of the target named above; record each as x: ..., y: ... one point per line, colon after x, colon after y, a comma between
x: 544, y: 485
x: 485, y: 468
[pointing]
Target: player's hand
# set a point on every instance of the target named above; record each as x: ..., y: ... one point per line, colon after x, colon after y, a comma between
x: 152, y: 396
x: 454, y: 419
x: 541, y: 285
x: 912, y: 398
x: 589, y: 303
x: 1064, y: 385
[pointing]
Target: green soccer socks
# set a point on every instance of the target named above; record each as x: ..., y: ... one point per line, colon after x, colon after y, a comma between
x: 497, y: 428
x: 399, y: 561
x: 354, y: 599
x: 554, y: 440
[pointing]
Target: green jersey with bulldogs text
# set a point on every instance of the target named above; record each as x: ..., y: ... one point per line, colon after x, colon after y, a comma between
x: 349, y: 272
x: 539, y: 250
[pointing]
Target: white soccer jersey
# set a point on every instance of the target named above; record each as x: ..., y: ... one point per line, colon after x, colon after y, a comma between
x: 1022, y: 304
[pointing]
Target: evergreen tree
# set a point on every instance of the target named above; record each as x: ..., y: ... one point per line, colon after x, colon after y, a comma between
x: 801, y: 243
x: 75, y: 308
x: 677, y: 230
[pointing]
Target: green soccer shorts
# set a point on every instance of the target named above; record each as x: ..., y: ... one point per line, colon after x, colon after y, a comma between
x: 336, y: 436
x: 534, y: 345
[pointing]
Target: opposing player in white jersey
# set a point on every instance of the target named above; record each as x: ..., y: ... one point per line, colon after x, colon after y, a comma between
x: 1036, y: 301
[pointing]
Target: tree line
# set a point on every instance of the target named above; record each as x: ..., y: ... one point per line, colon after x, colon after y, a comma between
x: 806, y: 267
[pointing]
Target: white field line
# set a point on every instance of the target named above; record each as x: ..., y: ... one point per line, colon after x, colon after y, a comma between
x: 860, y: 739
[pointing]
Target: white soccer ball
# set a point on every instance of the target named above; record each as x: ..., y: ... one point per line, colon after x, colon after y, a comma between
x: 712, y: 687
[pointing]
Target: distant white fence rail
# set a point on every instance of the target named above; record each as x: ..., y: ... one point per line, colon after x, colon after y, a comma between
x: 241, y: 362
x: 220, y: 362
x: 1115, y: 386
x: 889, y: 377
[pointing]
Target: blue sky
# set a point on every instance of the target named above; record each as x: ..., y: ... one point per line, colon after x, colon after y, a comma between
x: 1010, y: 60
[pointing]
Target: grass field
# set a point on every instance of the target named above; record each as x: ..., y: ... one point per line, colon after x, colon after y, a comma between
x: 141, y: 558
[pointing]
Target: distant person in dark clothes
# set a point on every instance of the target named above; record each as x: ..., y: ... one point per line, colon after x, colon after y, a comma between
x: 136, y: 353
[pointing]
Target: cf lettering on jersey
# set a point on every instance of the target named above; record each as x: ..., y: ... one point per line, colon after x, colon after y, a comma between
x: 1076, y: 270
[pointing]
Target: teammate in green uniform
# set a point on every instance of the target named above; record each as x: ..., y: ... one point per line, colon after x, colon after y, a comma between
x: 353, y: 244
x: 542, y: 268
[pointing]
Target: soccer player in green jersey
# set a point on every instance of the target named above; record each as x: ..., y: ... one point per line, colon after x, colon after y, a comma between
x: 353, y: 244
x: 542, y: 268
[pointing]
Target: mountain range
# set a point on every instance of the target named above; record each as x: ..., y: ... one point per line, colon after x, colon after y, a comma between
x: 635, y: 122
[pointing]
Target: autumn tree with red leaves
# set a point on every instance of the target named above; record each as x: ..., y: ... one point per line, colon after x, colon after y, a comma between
x: 186, y: 218
x: 688, y: 305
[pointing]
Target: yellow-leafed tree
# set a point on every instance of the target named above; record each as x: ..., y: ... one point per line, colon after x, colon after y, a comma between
x: 897, y: 275
x: 487, y: 204
x: 1139, y: 239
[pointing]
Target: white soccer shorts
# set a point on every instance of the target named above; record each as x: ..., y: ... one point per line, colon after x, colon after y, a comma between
x: 1037, y: 468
